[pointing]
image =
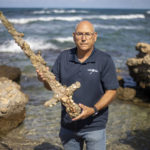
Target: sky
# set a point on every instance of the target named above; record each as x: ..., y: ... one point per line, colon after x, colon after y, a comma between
x: 143, y: 4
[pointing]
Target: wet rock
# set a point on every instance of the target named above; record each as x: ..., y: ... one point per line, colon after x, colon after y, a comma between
x: 120, y: 80
x: 11, y: 73
x: 12, y: 105
x: 139, y: 67
x: 126, y: 93
x: 118, y: 70
x: 119, y: 146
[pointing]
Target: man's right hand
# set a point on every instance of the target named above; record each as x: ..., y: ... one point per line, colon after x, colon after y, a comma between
x: 42, y: 79
x: 40, y: 75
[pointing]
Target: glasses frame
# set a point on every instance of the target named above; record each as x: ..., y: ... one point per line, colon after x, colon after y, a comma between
x: 88, y: 35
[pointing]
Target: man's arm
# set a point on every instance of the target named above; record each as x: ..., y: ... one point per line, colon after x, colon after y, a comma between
x: 104, y: 101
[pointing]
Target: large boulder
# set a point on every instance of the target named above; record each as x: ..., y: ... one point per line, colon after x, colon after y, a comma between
x: 12, y: 73
x: 139, y: 67
x: 126, y: 93
x: 12, y: 105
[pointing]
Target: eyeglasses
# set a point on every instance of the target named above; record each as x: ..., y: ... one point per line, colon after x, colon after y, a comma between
x: 88, y: 35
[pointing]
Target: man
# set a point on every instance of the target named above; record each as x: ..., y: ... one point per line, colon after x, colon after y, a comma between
x: 95, y: 71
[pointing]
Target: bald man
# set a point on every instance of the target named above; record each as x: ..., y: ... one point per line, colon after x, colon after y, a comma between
x: 95, y: 71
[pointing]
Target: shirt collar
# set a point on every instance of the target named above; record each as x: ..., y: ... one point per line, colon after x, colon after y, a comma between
x: 74, y: 58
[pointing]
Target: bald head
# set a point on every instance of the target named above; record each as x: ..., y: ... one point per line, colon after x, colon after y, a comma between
x: 85, y: 26
x: 84, y: 37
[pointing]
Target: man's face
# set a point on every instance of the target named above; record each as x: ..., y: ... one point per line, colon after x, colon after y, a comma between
x: 85, y: 37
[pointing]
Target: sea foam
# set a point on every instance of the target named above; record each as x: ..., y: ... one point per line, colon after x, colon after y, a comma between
x: 29, y: 20
x: 35, y: 44
x: 75, y: 18
x: 117, y: 17
x: 64, y: 39
x: 148, y: 12
x: 59, y: 11
x: 42, y: 12
x: 118, y: 27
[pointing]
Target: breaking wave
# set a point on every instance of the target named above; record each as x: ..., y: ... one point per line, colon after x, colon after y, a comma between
x: 148, y: 12
x: 117, y: 17
x: 59, y: 11
x: 64, y: 39
x: 75, y: 18
x: 29, y: 20
x: 35, y: 44
x: 116, y: 27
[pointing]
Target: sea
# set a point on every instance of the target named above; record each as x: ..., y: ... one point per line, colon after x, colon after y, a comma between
x: 50, y: 31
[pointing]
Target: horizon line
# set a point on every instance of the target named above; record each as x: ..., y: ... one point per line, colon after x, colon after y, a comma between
x: 74, y: 7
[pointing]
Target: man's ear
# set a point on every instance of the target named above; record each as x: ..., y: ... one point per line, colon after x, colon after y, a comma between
x: 95, y: 36
x: 73, y: 35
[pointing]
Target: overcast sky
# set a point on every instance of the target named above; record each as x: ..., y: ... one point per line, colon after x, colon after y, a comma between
x: 77, y: 3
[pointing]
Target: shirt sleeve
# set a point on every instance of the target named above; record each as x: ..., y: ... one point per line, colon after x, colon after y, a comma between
x: 109, y: 77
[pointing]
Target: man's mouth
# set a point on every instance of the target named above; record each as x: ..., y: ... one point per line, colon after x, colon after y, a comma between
x: 83, y: 44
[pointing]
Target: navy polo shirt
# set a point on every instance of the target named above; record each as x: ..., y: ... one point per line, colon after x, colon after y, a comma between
x: 96, y: 75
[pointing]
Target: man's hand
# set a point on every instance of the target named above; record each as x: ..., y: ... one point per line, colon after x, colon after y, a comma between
x: 40, y: 75
x: 86, y: 112
x: 42, y: 79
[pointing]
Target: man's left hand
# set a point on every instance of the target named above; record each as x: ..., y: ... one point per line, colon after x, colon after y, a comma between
x: 86, y: 112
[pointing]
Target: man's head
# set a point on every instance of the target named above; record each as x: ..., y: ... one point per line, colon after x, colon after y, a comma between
x: 84, y: 36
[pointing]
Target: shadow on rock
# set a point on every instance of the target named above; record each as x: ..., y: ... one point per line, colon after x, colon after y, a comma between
x: 47, y: 146
x: 4, y: 147
x: 143, y: 94
x: 138, y: 139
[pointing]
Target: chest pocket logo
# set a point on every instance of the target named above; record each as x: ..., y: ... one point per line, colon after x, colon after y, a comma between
x: 91, y: 71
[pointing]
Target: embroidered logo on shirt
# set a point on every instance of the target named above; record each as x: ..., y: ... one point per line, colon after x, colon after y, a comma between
x: 92, y: 71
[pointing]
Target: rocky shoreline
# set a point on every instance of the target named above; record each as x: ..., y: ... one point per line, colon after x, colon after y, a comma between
x: 139, y: 67
x: 14, y: 117
x: 12, y: 99
x: 12, y: 73
x: 139, y: 70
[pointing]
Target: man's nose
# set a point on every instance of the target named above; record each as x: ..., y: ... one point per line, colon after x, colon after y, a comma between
x: 83, y: 37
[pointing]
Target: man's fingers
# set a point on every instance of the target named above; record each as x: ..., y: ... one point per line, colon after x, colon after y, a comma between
x: 78, y: 117
x: 82, y: 113
x: 82, y: 106
x: 40, y: 75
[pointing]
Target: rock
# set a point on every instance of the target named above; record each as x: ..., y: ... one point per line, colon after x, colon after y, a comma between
x: 12, y: 105
x: 120, y: 80
x: 143, y: 48
x: 132, y: 94
x: 118, y: 70
x: 126, y: 93
x: 139, y: 67
x: 11, y: 73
